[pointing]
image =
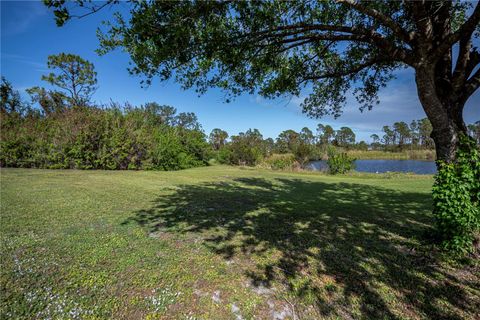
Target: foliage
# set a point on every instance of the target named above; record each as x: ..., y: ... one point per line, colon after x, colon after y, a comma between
x: 285, y: 161
x: 10, y: 100
x: 94, y: 138
x: 223, y: 155
x: 303, y: 152
x: 344, y: 137
x: 456, y: 195
x: 218, y: 138
x: 339, y: 162
x: 74, y: 75
x: 300, y: 144
x: 50, y: 101
x: 362, y: 145
x: 275, y: 48
x: 247, y: 148
x: 400, y: 135
x: 474, y: 131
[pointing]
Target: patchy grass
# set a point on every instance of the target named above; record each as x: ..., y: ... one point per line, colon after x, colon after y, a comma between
x: 224, y: 243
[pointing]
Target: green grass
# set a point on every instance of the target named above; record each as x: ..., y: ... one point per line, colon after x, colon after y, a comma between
x: 400, y: 155
x: 224, y: 243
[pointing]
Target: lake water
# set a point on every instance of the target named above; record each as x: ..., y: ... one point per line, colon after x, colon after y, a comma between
x: 380, y: 166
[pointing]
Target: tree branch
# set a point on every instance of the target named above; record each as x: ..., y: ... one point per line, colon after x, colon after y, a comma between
x: 351, y: 71
x: 93, y: 9
x: 380, y: 17
x: 357, y: 34
x: 472, y: 84
x: 465, y: 30
x: 460, y: 73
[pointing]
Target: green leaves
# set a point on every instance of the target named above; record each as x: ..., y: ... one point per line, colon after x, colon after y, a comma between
x: 149, y: 137
x: 61, y: 13
x: 74, y: 75
x: 456, y: 195
x: 269, y: 47
x: 339, y: 162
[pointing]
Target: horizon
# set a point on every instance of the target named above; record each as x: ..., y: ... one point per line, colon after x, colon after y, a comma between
x: 27, y: 26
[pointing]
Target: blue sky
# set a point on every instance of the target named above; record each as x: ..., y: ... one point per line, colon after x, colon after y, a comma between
x: 29, y: 35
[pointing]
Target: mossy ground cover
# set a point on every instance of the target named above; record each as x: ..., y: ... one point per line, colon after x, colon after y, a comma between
x: 224, y: 243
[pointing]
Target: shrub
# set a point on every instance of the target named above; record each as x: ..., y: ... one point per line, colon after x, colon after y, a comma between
x: 247, y: 148
x: 284, y: 161
x: 94, y: 138
x: 339, y: 162
x: 303, y: 152
x: 456, y: 198
x: 223, y: 155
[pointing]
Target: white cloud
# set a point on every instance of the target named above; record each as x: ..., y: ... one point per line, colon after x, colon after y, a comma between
x: 16, y: 58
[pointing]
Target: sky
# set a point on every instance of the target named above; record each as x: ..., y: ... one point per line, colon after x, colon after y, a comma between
x: 29, y: 35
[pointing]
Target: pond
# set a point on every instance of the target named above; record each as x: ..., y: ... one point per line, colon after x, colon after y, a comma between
x: 381, y: 166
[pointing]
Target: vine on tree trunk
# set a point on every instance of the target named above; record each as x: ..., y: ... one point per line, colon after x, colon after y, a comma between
x: 456, y: 198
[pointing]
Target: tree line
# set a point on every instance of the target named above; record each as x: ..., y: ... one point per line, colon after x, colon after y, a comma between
x: 67, y: 130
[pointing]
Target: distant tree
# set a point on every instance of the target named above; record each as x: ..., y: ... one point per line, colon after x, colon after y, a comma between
x: 414, y: 132
x: 425, y: 130
x: 218, y: 138
x: 160, y: 114
x: 402, y: 132
x: 10, y: 98
x: 247, y: 148
x: 362, y: 145
x: 303, y: 151
x: 345, y: 137
x: 51, y: 101
x: 389, y: 136
x: 165, y: 113
x: 319, y: 131
x: 375, y: 138
x: 375, y: 141
x: 74, y: 75
x: 187, y: 120
x: 325, y: 134
x: 306, y: 135
x: 474, y: 131
x: 287, y: 140
x: 269, y: 144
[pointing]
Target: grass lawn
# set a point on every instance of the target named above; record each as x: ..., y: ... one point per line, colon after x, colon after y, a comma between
x: 223, y: 243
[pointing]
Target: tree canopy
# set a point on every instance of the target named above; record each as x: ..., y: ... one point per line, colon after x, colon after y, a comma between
x: 282, y: 47
x: 72, y: 74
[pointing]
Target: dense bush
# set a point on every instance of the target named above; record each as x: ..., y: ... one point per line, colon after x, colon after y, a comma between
x: 456, y: 197
x: 222, y: 155
x: 304, y: 152
x: 247, y: 148
x: 95, y: 138
x: 339, y: 162
x: 284, y: 161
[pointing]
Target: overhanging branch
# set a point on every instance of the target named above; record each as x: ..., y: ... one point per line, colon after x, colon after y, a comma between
x: 464, y: 31
x: 380, y: 17
x: 343, y: 73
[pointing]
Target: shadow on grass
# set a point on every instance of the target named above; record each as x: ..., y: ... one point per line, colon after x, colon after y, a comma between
x: 345, y: 248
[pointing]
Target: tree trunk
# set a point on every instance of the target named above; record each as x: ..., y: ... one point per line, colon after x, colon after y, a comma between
x: 446, y: 116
